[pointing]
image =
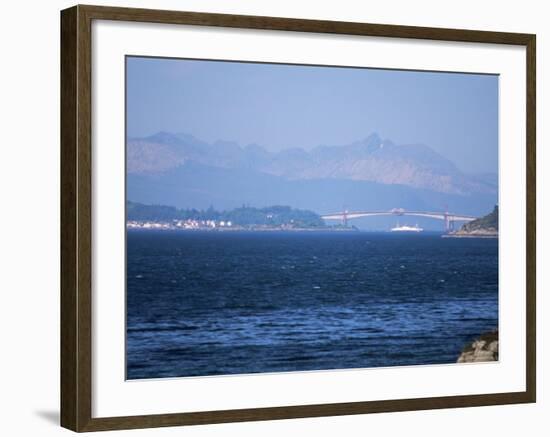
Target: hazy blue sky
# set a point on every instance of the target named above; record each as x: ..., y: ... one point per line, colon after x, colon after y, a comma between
x: 283, y: 106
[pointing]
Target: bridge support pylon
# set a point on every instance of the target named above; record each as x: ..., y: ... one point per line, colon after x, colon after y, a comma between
x: 449, y: 223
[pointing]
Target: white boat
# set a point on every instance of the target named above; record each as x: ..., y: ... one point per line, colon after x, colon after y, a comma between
x: 406, y: 228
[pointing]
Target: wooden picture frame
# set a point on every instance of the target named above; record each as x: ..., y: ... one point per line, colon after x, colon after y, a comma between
x: 76, y: 217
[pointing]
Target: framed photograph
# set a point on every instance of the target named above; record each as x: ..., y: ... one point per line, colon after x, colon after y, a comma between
x: 269, y: 218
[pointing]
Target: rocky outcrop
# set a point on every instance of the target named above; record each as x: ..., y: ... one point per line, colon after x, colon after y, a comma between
x: 478, y: 233
x: 484, y: 348
x: 484, y: 227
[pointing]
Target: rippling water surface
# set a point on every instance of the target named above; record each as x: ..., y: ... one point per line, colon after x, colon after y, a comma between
x: 210, y: 303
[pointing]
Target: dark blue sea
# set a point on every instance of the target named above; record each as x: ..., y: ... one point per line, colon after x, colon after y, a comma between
x: 214, y: 303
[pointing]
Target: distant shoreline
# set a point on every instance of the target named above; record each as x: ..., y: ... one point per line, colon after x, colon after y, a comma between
x: 469, y: 236
x: 265, y: 230
x: 486, y: 237
x: 477, y: 233
x: 240, y: 229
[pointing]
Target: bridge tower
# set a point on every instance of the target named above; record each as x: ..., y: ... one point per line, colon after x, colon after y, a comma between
x: 345, y: 218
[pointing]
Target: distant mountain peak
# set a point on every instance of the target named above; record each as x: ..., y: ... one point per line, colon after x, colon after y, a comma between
x: 374, y: 142
x: 373, y: 139
x: 163, y: 138
x: 371, y: 159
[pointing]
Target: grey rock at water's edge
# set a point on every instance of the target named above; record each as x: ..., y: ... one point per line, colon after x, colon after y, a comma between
x: 482, y: 349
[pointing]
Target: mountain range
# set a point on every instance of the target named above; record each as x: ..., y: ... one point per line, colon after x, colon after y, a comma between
x: 373, y: 173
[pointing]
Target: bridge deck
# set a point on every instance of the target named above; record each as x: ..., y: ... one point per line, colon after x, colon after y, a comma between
x: 429, y: 214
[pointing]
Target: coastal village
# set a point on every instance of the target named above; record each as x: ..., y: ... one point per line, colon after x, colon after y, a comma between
x: 213, y: 225
x: 189, y: 224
